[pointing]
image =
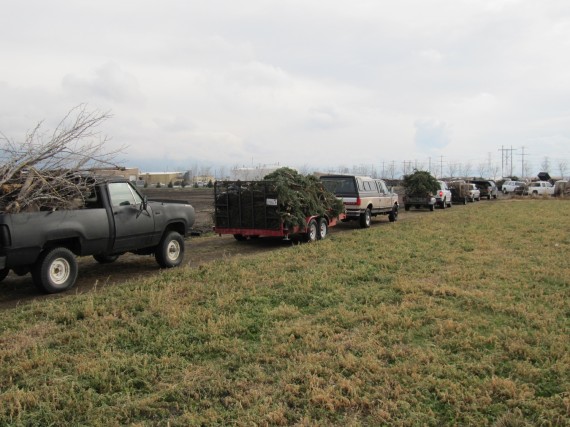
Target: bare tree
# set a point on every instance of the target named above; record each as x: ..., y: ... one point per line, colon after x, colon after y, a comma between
x: 562, y: 168
x: 54, y: 170
x: 452, y: 169
x: 545, y: 165
x: 494, y: 170
x: 465, y: 169
x: 482, y: 169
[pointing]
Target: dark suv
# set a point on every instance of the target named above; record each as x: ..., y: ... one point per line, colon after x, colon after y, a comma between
x: 487, y: 188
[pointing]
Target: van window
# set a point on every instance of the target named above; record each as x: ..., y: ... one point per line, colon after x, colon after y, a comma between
x: 367, y: 186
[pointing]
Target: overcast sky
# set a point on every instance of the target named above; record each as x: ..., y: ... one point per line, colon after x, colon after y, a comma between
x: 312, y: 82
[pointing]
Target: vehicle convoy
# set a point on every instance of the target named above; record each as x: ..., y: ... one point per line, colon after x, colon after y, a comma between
x: 363, y: 197
x: 443, y: 196
x: 113, y: 220
x: 252, y: 209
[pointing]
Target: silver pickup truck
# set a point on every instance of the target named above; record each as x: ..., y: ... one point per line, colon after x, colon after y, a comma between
x: 363, y: 197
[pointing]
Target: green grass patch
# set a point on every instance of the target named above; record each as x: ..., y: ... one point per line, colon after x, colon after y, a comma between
x: 457, y: 317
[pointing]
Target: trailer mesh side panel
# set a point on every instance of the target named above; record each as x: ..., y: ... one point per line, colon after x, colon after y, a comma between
x: 246, y: 204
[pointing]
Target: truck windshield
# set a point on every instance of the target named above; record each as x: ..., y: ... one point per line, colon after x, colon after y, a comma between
x: 339, y: 185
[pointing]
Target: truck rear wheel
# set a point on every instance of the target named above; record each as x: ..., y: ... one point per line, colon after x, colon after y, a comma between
x: 3, y: 273
x: 431, y: 207
x: 323, y: 229
x: 365, y: 219
x: 170, y: 251
x: 55, y: 270
x: 393, y: 215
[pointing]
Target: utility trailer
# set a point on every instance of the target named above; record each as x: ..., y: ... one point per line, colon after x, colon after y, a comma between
x: 460, y: 191
x: 252, y: 209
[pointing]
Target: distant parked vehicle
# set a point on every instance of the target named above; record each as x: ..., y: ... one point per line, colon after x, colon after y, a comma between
x: 510, y: 186
x: 459, y: 191
x: 561, y: 188
x: 521, y: 189
x: 473, y: 193
x: 443, y: 196
x: 487, y: 188
x: 541, y: 188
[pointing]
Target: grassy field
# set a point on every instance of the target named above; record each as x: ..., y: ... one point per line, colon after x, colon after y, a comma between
x: 455, y: 317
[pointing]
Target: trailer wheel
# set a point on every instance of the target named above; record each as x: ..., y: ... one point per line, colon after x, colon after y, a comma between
x: 105, y: 259
x: 3, y: 273
x: 55, y: 270
x: 365, y: 219
x: 323, y: 229
x: 312, y: 231
x: 240, y: 237
x: 170, y: 251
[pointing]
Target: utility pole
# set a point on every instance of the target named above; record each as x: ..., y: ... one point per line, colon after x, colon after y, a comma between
x: 522, y: 161
x: 441, y: 167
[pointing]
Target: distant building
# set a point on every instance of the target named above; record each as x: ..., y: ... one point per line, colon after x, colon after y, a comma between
x: 162, y: 178
x: 253, y: 174
x: 132, y: 174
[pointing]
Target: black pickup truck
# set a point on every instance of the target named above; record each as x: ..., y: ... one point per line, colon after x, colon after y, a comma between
x: 114, y: 219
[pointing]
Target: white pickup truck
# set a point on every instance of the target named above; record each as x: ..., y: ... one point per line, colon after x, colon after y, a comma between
x: 540, y: 188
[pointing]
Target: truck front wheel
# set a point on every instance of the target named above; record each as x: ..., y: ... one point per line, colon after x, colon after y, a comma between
x: 170, y: 251
x: 55, y: 270
x: 3, y: 273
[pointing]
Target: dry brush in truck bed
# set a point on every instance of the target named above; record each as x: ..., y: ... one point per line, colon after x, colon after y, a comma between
x: 50, y: 171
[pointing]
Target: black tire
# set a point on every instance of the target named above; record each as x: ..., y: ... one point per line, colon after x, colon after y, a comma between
x: 450, y: 203
x: 105, y: 259
x: 240, y: 237
x: 3, y: 273
x: 170, y: 251
x: 393, y: 215
x: 407, y: 207
x: 365, y: 219
x: 489, y: 197
x: 312, y: 231
x: 465, y: 200
x: 431, y: 207
x: 322, y: 229
x: 444, y: 204
x: 55, y: 270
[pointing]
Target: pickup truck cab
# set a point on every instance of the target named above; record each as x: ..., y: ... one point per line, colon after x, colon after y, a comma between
x: 363, y: 197
x: 114, y: 219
